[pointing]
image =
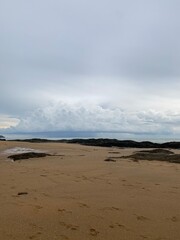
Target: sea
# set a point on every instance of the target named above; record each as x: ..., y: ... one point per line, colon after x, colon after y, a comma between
x: 89, y: 134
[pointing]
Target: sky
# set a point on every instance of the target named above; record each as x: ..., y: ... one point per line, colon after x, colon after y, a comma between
x: 100, y: 66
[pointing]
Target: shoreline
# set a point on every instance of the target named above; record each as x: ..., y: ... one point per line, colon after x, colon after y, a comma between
x: 105, y: 142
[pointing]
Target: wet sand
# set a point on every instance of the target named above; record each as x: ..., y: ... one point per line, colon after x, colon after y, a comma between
x: 79, y: 196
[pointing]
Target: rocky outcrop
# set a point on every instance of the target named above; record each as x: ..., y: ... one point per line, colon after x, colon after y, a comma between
x: 124, y: 143
x: 28, y: 155
x: 106, y: 142
x: 155, y: 155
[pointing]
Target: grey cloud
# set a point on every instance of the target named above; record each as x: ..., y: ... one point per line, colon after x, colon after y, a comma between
x: 123, y: 38
x: 20, y: 97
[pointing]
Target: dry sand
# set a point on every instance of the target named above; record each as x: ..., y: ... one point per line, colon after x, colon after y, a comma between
x: 79, y: 196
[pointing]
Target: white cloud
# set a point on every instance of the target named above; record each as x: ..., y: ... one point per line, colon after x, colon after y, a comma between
x: 7, y: 122
x: 88, y: 117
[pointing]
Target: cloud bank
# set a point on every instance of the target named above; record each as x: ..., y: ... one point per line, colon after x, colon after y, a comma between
x: 100, y: 119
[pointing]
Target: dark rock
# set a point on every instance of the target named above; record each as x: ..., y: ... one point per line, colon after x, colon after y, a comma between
x: 158, y: 150
x: 28, y: 155
x: 22, y: 193
x: 109, y: 160
x: 155, y: 155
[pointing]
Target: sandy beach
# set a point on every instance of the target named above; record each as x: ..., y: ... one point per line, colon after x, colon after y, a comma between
x: 79, y: 196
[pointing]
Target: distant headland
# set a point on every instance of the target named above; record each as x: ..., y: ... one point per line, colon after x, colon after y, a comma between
x: 106, y: 142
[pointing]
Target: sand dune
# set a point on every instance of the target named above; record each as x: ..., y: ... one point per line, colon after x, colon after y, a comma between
x: 79, y: 196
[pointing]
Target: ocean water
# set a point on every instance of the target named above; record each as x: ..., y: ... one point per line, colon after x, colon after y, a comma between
x: 48, y: 135
x: 70, y: 135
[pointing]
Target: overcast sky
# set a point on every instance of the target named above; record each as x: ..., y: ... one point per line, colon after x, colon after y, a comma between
x: 81, y: 65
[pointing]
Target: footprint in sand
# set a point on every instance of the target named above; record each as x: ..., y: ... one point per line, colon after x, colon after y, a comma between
x: 35, y: 235
x: 69, y: 226
x: 38, y: 207
x: 121, y: 226
x: 111, y: 209
x: 93, y: 232
x: 124, y: 180
x: 85, y: 178
x: 144, y: 237
x: 64, y: 237
x: 83, y: 205
x: 128, y: 185
x: 32, y: 237
x: 174, y: 219
x: 45, y: 194
x: 111, y: 226
x: 62, y: 210
x: 108, y: 182
x: 141, y: 218
x: 115, y: 208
